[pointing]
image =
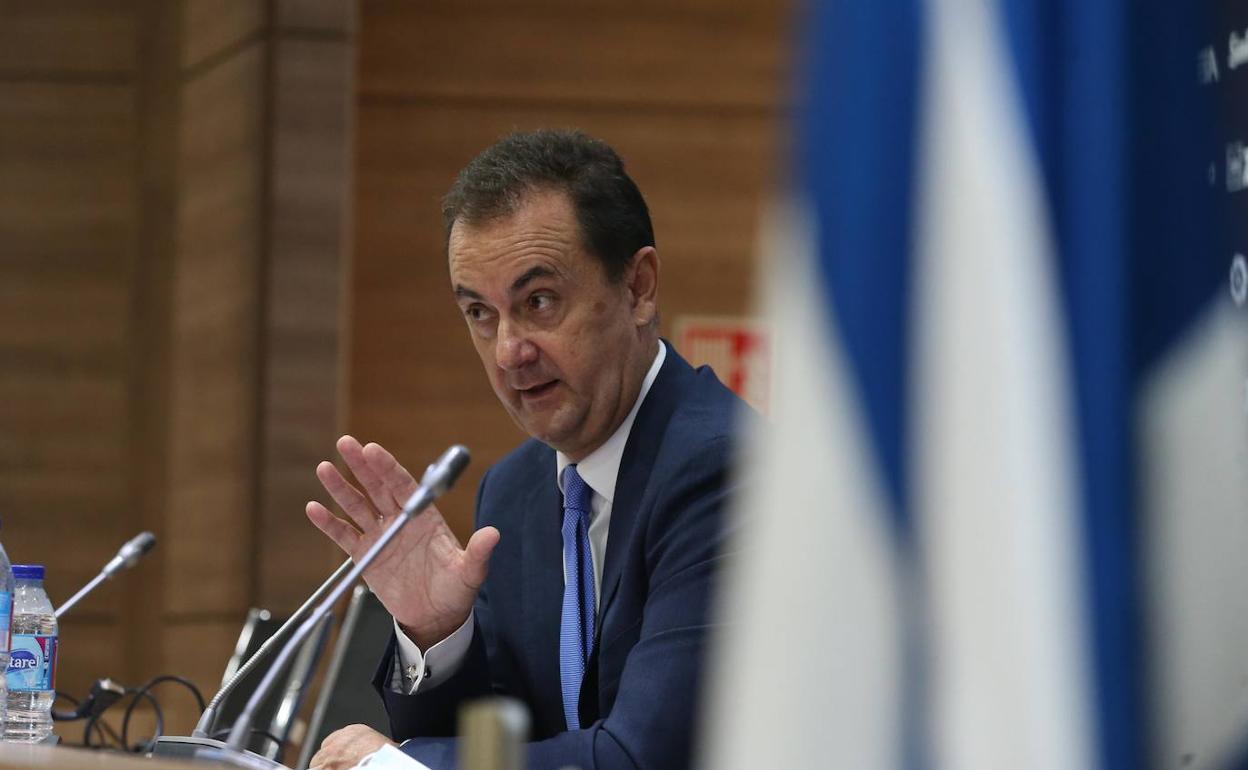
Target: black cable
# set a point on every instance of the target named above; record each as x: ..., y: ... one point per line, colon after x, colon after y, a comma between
x: 145, y: 691
x: 107, y: 729
x: 58, y: 695
x: 86, y: 734
x: 97, y: 727
x: 188, y: 684
x: 104, y: 731
x: 125, y: 720
x: 94, y: 725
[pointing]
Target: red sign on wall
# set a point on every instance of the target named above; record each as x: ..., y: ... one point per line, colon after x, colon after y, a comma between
x: 738, y: 349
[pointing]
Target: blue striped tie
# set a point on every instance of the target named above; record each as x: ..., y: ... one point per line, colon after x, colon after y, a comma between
x: 576, y: 628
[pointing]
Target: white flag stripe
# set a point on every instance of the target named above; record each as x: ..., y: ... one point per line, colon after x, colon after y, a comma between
x: 1194, y: 450
x: 809, y: 672
x: 992, y: 447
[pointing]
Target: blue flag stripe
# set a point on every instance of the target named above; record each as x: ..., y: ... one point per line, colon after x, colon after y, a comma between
x: 856, y: 140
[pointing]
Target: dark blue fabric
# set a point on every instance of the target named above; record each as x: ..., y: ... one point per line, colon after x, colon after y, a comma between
x: 856, y: 145
x: 856, y: 148
x: 664, y: 550
x: 1115, y: 115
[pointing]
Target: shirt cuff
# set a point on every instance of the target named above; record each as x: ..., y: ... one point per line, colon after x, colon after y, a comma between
x: 432, y: 668
x: 390, y: 758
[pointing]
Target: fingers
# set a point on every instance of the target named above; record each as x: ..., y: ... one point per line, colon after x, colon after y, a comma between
x: 350, y: 499
x: 335, y: 528
x: 346, y: 747
x: 398, y: 482
x: 326, y: 756
x: 368, y: 477
x: 318, y: 759
x: 477, y: 555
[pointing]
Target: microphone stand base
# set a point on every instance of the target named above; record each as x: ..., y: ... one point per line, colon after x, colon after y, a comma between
x: 211, y: 751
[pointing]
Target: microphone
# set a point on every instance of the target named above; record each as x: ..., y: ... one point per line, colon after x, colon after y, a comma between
x: 437, y: 479
x: 126, y: 557
x: 204, y: 727
x: 184, y: 747
x: 130, y: 554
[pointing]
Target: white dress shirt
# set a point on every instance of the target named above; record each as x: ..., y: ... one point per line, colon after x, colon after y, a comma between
x: 599, y: 470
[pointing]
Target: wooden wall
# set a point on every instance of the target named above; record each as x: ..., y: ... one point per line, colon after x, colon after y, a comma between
x: 67, y: 230
x: 182, y: 333
x: 173, y: 223
x: 690, y: 92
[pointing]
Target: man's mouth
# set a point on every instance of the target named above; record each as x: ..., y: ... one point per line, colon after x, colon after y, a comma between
x: 537, y: 391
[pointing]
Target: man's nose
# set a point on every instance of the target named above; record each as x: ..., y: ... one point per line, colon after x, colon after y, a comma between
x: 514, y: 349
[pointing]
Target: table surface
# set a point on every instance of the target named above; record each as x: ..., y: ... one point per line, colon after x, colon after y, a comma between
x: 17, y: 756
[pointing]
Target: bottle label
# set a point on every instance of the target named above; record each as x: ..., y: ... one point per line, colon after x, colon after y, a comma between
x: 6, y: 616
x: 32, y: 664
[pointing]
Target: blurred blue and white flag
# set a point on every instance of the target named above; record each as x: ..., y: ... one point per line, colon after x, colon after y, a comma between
x: 1004, y: 515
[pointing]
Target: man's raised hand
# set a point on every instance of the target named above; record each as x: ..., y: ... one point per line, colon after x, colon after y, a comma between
x: 424, y: 578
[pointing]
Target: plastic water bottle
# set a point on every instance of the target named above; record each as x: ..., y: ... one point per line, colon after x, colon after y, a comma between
x: 31, y: 674
x: 6, y: 618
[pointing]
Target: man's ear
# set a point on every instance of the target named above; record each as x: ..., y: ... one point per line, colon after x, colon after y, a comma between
x: 642, y: 279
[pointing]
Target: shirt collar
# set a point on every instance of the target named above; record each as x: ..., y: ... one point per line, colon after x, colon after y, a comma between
x: 600, y: 467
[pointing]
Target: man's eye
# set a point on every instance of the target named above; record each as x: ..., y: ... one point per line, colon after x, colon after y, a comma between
x: 475, y: 313
x: 541, y: 301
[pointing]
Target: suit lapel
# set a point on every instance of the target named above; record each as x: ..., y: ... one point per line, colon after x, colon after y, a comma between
x: 543, y: 586
x: 635, y: 467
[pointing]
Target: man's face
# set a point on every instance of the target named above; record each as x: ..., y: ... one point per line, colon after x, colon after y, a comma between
x: 564, y: 348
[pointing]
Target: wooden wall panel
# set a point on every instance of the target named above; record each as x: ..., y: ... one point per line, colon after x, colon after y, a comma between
x: 198, y: 650
x: 173, y: 219
x: 68, y: 39
x: 305, y: 303
x: 216, y: 324
x: 258, y: 311
x: 690, y: 93
x: 685, y: 55
x: 214, y: 29
x: 304, y: 16
x: 66, y: 198
x: 158, y: 86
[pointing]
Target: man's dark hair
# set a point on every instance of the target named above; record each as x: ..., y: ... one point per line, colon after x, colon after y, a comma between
x: 612, y: 215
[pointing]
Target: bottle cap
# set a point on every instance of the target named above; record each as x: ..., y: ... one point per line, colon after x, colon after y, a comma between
x: 28, y: 572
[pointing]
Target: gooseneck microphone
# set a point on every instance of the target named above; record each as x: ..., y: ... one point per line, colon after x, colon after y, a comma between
x: 126, y: 557
x: 437, y: 479
x: 204, y: 728
x: 183, y: 746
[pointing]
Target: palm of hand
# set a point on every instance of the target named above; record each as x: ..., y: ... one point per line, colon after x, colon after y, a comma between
x: 424, y: 578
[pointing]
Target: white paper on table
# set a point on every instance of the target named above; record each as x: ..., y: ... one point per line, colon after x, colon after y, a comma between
x: 390, y: 758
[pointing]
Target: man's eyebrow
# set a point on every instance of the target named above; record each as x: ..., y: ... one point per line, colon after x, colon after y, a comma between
x: 537, y: 271
x: 464, y: 291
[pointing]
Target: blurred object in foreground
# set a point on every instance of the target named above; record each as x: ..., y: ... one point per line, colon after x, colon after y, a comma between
x: 492, y: 734
x: 1007, y: 497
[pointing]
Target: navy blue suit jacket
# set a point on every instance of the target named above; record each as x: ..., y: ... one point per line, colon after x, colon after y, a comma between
x: 664, y: 548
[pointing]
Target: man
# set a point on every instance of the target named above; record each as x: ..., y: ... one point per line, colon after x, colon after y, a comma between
x: 602, y: 533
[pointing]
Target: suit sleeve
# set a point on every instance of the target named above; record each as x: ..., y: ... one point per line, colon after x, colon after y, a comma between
x: 433, y: 711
